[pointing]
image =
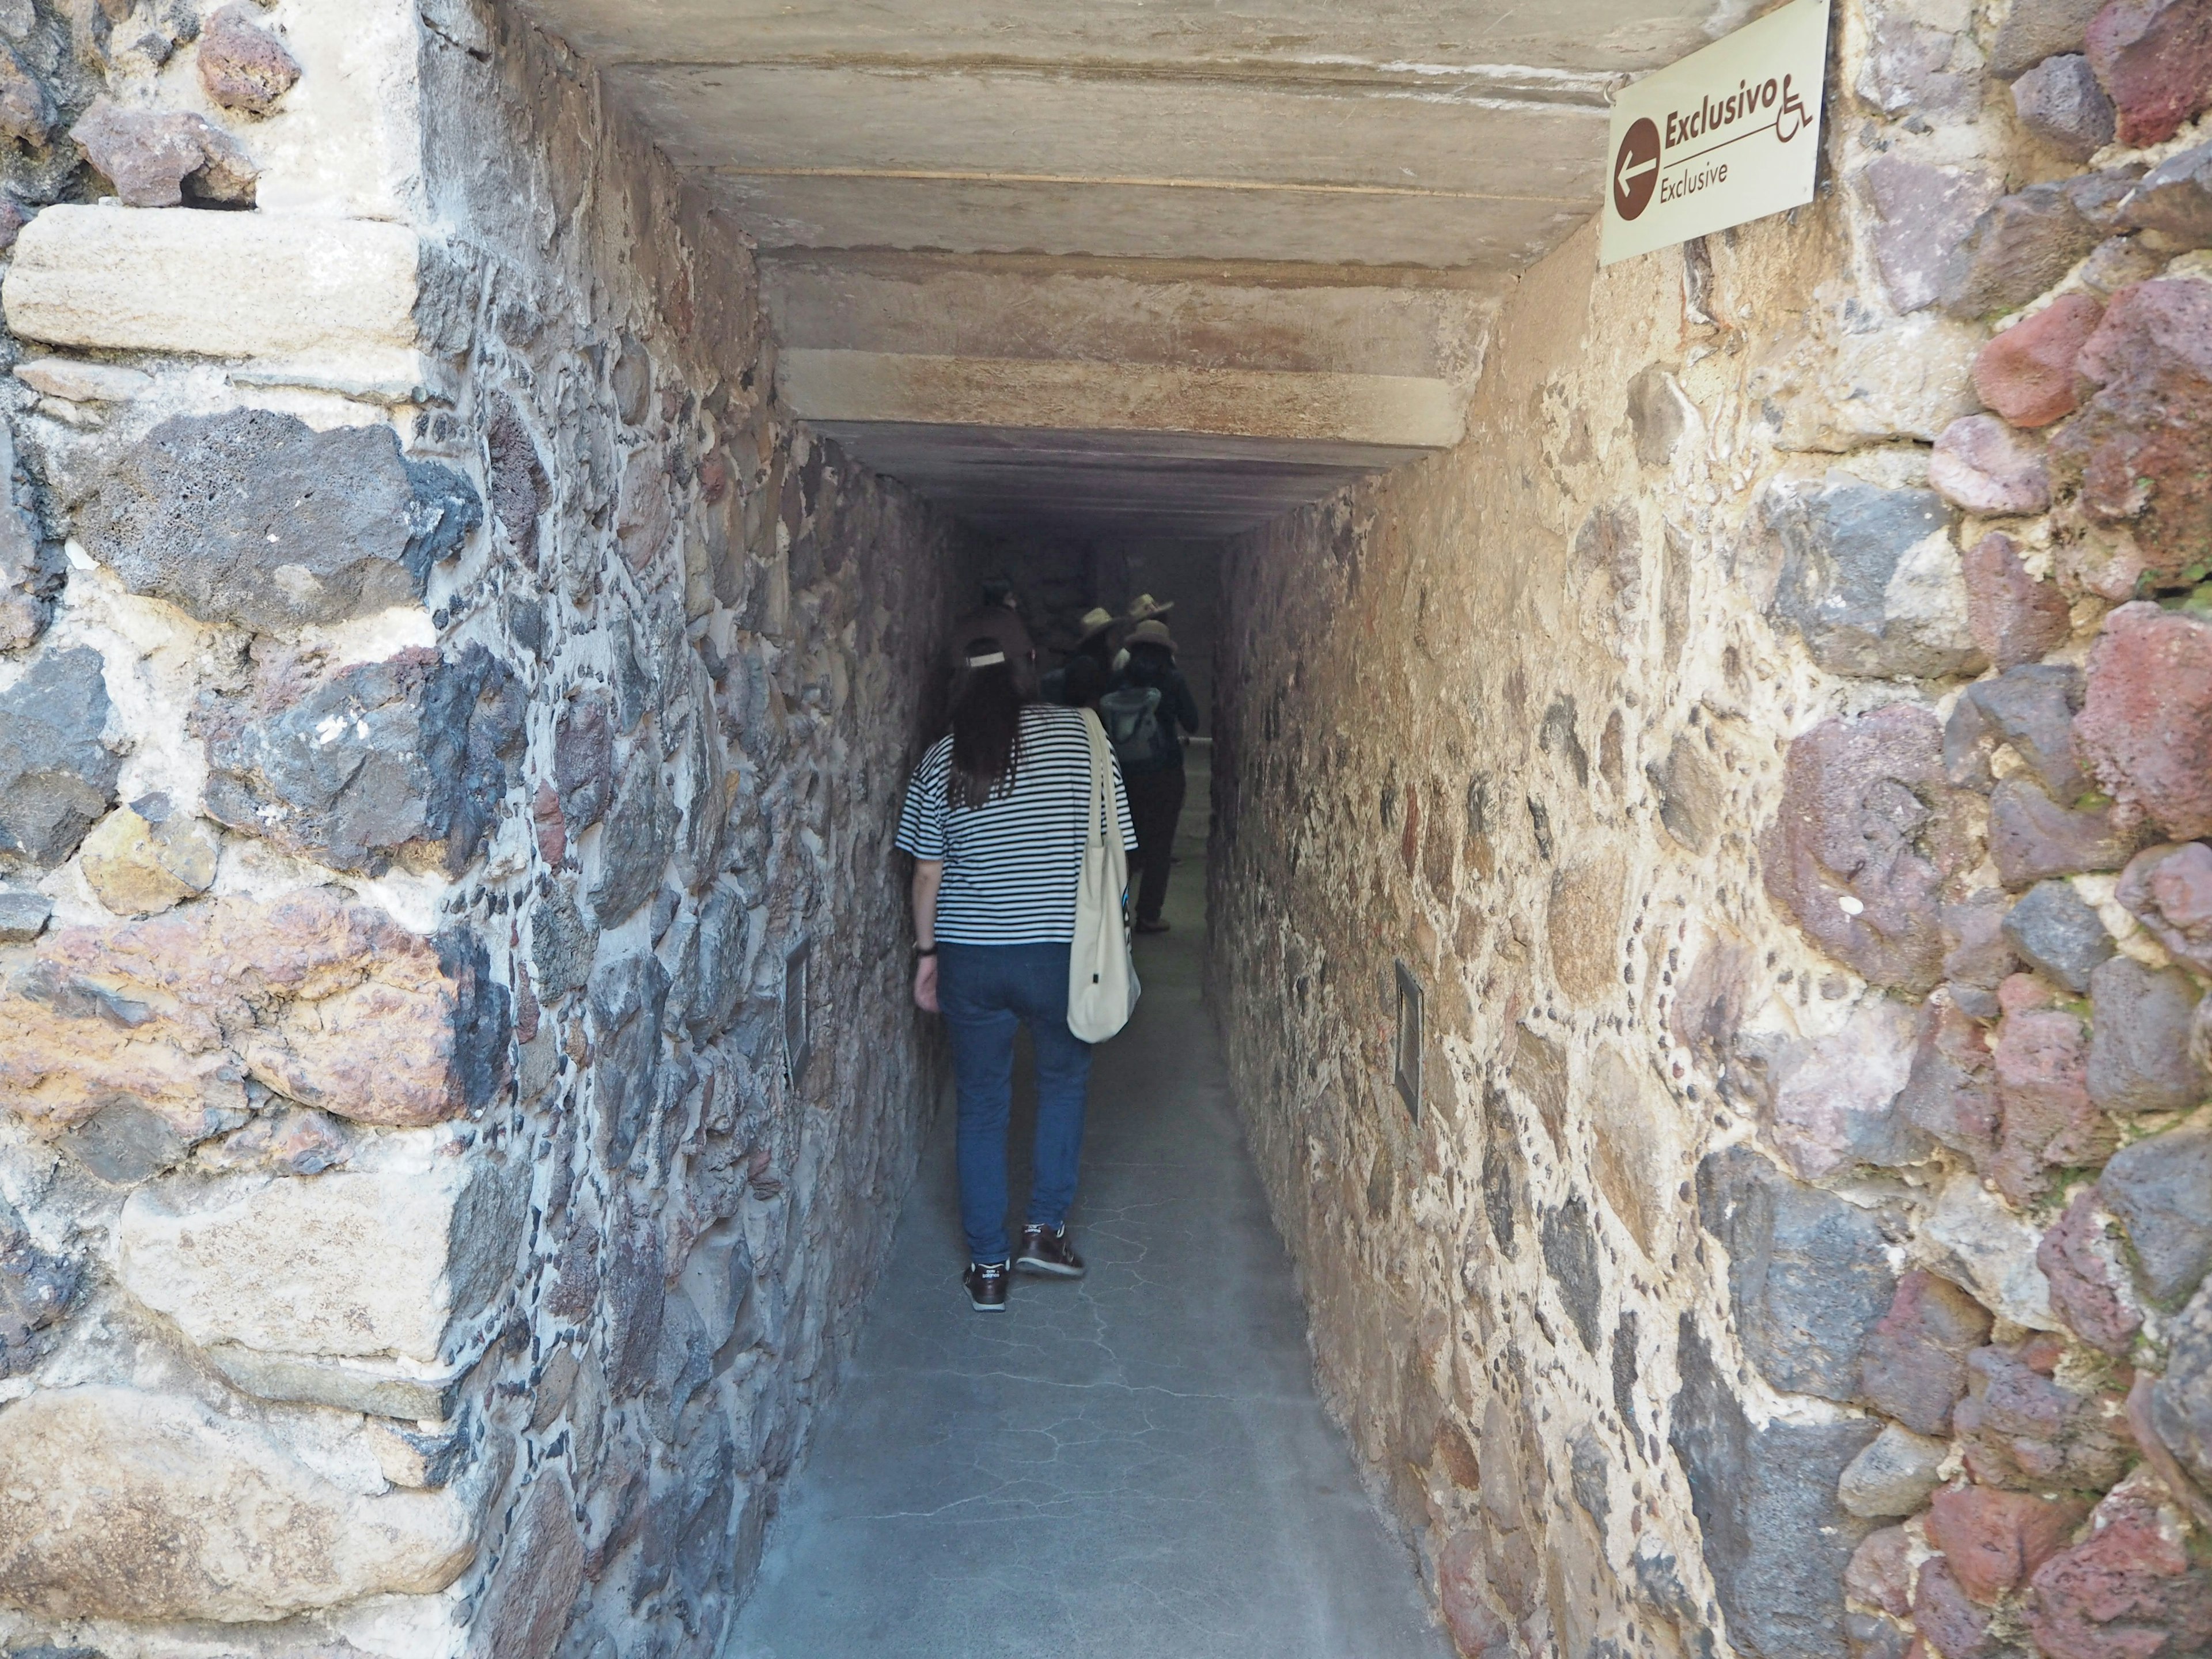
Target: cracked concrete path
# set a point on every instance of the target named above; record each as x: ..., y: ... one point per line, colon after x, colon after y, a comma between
x: 1132, y: 1467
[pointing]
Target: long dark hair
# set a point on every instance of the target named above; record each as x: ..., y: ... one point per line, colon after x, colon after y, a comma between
x: 986, y: 719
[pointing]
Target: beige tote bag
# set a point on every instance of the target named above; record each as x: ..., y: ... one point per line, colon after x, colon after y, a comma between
x: 1102, y: 980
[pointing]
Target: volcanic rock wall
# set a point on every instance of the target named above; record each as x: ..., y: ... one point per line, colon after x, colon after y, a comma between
x: 450, y: 723
x: 1777, y: 744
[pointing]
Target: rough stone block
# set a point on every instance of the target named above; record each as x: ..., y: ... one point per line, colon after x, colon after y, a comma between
x: 2175, y: 200
x: 2033, y: 30
x: 2058, y: 935
x: 2129, y: 1589
x: 2060, y: 102
x: 57, y: 776
x: 2161, y: 1190
x: 2154, y: 58
x: 325, y: 1002
x: 407, y: 758
x: 253, y: 518
x: 1976, y: 952
x: 1983, y: 465
x: 26, y: 108
x: 138, y: 868
x: 2135, y: 453
x: 23, y: 915
x: 2032, y: 707
x: 2169, y: 889
x: 1808, y: 1272
x: 584, y: 761
x: 1995, y: 1539
x: 242, y: 64
x: 38, y: 1288
x: 1973, y: 1238
x: 31, y: 568
x: 540, y: 1576
x: 1913, y: 1363
x: 1928, y: 68
x: 352, y: 302
x: 1946, y: 1618
x: 2048, y: 1120
x: 2139, y: 1058
x: 1857, y: 852
x: 1922, y: 211
x: 2025, y: 1429
x: 637, y: 842
x: 1834, y: 1101
x: 1880, y: 1572
x: 2181, y: 1398
x: 81, y: 382
x: 163, y: 158
x: 1570, y: 1259
x: 120, y: 1505
x: 1775, y: 1542
x: 2145, y: 729
x: 1871, y: 579
x: 2023, y: 244
x: 1891, y: 1477
x: 2033, y: 838
x: 561, y: 947
x: 2026, y: 374
x: 1951, y: 1094
x: 405, y: 1392
x: 355, y: 1263
x: 2088, y: 1282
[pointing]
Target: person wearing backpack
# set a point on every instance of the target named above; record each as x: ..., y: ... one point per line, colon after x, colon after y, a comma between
x: 997, y: 817
x: 1146, y: 714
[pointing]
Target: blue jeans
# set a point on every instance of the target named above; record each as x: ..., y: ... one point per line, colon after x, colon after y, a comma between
x: 986, y: 991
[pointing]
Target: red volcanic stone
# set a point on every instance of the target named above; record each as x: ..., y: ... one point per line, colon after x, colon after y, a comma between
x: 242, y: 65
x: 1982, y: 465
x: 2127, y: 1591
x: 1914, y: 1365
x: 1948, y: 1616
x: 2025, y: 1430
x: 1475, y: 1627
x: 2136, y: 452
x: 1880, y: 1572
x: 2079, y: 1258
x: 1993, y: 1539
x: 1857, y: 853
x: 2154, y: 60
x: 2169, y: 889
x: 2145, y: 728
x: 2033, y: 838
x: 546, y: 823
x: 2042, y: 1062
x: 1950, y: 1094
x: 2026, y: 372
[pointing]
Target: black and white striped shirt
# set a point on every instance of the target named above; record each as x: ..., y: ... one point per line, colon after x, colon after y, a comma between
x: 1012, y: 864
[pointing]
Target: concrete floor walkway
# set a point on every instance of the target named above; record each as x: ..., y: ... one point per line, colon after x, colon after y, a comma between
x: 1134, y: 1467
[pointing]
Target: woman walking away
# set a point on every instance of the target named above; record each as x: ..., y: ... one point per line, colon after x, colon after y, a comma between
x: 1146, y: 714
x: 995, y: 819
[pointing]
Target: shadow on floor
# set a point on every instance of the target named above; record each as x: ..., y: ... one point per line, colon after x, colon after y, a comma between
x: 1134, y: 1467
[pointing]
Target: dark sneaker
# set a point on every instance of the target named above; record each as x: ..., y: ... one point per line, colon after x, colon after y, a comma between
x: 1046, y: 1250
x: 987, y: 1285
x: 1155, y: 925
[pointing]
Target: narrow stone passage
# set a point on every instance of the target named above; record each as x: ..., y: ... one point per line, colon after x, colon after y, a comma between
x: 1136, y: 1465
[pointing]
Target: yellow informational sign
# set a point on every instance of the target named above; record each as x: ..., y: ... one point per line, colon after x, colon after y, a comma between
x: 1728, y: 134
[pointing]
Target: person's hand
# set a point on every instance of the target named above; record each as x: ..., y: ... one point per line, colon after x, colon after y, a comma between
x: 925, y: 984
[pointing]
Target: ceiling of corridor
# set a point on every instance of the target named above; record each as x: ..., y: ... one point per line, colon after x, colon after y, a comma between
x: 1167, y: 267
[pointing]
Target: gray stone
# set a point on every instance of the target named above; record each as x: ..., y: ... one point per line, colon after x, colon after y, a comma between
x: 2139, y: 1058
x: 1920, y: 212
x: 1893, y: 1476
x: 37, y: 1289
x: 122, y: 1143
x: 57, y: 779
x: 2033, y: 707
x: 561, y: 946
x: 636, y: 1303
x: 2022, y: 244
x: 1569, y: 1248
x: 1931, y: 68
x: 1692, y: 793
x: 1775, y: 1542
x: 715, y: 963
x: 2181, y: 1399
x: 410, y: 1396
x: 1832, y: 1103
x: 32, y: 568
x: 2034, y: 30
x: 413, y: 752
x: 1808, y: 1274
x: 2174, y: 198
x: 2060, y: 102
x: 628, y: 999
x: 1587, y: 1466
x: 1969, y: 740
x: 1658, y: 414
x: 250, y: 517
x: 637, y: 842
x: 584, y: 760
x: 2058, y: 935
x: 2161, y: 1190
x: 1913, y: 1367
x: 1864, y: 579
x: 23, y: 915
x: 2033, y: 838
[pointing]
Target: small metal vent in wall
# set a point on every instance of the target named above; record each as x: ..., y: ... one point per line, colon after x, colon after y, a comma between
x: 798, y: 1029
x: 1408, y: 1067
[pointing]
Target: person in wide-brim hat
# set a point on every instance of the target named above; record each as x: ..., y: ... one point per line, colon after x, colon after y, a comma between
x: 1147, y: 607
x: 1148, y: 711
x: 1151, y: 631
x: 1095, y: 642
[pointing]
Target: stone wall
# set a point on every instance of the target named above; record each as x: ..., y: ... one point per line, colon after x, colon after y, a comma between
x: 1777, y: 744
x: 450, y: 726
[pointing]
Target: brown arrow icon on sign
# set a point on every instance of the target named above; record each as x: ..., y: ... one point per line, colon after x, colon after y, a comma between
x: 1636, y: 169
